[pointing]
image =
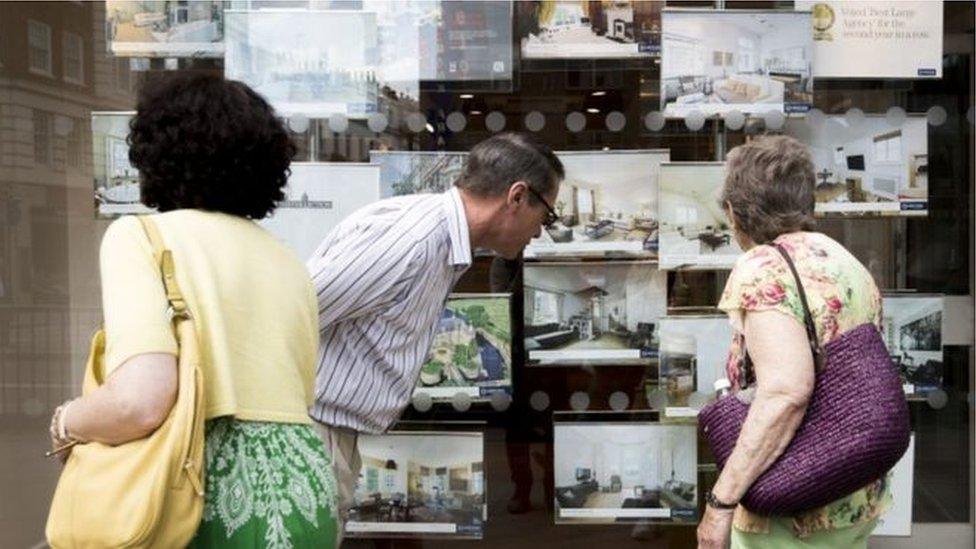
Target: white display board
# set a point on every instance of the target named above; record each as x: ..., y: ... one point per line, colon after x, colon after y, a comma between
x: 607, y: 206
x: 876, y: 39
x: 315, y: 63
x: 898, y: 520
x: 317, y: 198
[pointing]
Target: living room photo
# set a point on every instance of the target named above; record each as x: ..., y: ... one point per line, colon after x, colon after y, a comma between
x: 720, y: 61
x: 607, y: 205
x: 593, y: 313
x: 868, y: 164
x: 625, y: 472
x: 421, y: 483
x: 913, y: 331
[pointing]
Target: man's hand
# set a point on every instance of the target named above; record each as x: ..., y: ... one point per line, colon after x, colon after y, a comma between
x: 715, y: 529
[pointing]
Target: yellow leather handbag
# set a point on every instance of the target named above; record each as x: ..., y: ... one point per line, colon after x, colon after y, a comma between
x: 147, y: 492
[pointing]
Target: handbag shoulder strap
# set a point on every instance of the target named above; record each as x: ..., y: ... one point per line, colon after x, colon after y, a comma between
x: 164, y: 257
x: 807, y: 315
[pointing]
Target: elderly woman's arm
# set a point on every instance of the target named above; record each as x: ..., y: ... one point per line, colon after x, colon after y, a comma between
x: 784, y: 369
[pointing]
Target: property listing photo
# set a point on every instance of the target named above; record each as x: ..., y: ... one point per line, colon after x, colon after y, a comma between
x: 716, y: 61
x: 116, y: 181
x: 695, y: 231
x: 160, y: 28
x: 607, y: 205
x: 913, y: 331
x: 593, y: 313
x: 872, y: 164
x: 415, y: 172
x: 427, y: 484
x: 588, y: 29
x: 472, y: 348
x: 324, y: 64
x: 625, y: 472
x: 694, y: 351
x: 318, y: 196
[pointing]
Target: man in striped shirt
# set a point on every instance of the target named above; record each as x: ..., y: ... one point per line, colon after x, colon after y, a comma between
x: 384, y: 273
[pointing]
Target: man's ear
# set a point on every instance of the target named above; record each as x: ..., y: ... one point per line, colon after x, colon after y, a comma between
x: 517, y: 193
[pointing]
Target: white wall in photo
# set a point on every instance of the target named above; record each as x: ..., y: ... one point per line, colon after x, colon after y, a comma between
x: 318, y: 197
x: 872, y: 39
x: 608, y: 204
x: 315, y: 63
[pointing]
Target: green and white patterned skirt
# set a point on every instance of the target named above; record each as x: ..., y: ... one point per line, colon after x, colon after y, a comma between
x: 267, y: 485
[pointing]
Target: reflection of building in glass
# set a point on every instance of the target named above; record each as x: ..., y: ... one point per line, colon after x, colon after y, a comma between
x: 431, y: 478
x: 625, y: 467
x: 408, y: 172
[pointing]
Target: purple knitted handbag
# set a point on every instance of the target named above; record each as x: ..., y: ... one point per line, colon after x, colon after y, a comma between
x: 855, y: 429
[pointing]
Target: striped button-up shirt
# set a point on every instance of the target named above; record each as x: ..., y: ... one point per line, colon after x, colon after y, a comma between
x: 382, y: 277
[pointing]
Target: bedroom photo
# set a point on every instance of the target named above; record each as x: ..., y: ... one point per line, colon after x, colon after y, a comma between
x: 748, y: 61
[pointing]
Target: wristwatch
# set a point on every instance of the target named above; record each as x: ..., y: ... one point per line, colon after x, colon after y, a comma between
x: 713, y: 501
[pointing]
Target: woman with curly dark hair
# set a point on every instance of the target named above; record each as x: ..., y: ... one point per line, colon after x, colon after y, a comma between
x: 213, y: 158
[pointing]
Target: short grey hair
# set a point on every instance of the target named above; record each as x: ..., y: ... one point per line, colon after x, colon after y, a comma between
x: 497, y: 162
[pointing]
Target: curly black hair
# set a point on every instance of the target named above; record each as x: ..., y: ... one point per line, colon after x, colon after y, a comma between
x: 200, y: 141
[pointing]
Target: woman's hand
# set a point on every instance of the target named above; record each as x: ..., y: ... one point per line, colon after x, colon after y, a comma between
x: 715, y: 529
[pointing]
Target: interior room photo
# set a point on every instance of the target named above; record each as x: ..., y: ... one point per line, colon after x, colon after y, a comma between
x: 583, y: 311
x: 116, y: 181
x: 607, y: 203
x: 868, y: 163
x: 472, y: 346
x: 694, y: 228
x: 913, y: 331
x: 421, y: 477
x: 615, y: 466
x: 588, y: 29
x: 719, y: 61
x: 695, y: 340
x: 156, y: 27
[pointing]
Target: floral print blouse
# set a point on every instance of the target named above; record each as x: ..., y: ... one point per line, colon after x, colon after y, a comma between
x: 842, y: 295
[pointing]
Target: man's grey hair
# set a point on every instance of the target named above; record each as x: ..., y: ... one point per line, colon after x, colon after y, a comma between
x: 497, y: 162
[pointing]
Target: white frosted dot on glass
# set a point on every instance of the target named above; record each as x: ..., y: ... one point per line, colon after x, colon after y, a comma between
x: 539, y: 401
x: 422, y: 402
x: 461, y: 401
x: 937, y: 115
x: 338, y: 123
x: 695, y: 120
x: 657, y: 399
x: 734, y: 120
x: 575, y: 122
x: 619, y: 401
x: 501, y: 401
x: 495, y: 121
x: 895, y: 117
x: 815, y: 118
x: 937, y: 399
x: 579, y: 401
x: 774, y: 119
x: 377, y: 122
x: 416, y: 122
x: 535, y: 121
x: 654, y: 121
x: 456, y: 122
x: 298, y: 123
x: 616, y: 121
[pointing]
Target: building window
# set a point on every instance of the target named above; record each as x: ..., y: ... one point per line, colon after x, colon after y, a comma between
x: 123, y: 75
x: 76, y: 143
x: 43, y: 144
x: 74, y: 58
x: 887, y: 147
x: 39, y: 47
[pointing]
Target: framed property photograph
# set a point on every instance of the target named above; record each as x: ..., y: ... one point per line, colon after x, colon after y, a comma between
x: 607, y: 206
x: 913, y: 332
x: 157, y: 28
x: 717, y: 61
x: 420, y: 484
x: 580, y: 29
x: 414, y: 172
x: 598, y: 313
x: 472, y: 349
x: 868, y: 166
x: 695, y: 231
x: 318, y: 196
x: 116, y: 182
x: 610, y: 471
x: 324, y: 64
x: 694, y: 351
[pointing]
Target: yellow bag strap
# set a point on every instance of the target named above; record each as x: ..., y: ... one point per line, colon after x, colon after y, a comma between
x: 164, y: 258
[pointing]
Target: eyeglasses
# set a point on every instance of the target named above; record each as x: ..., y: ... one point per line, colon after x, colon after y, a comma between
x: 551, y: 216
